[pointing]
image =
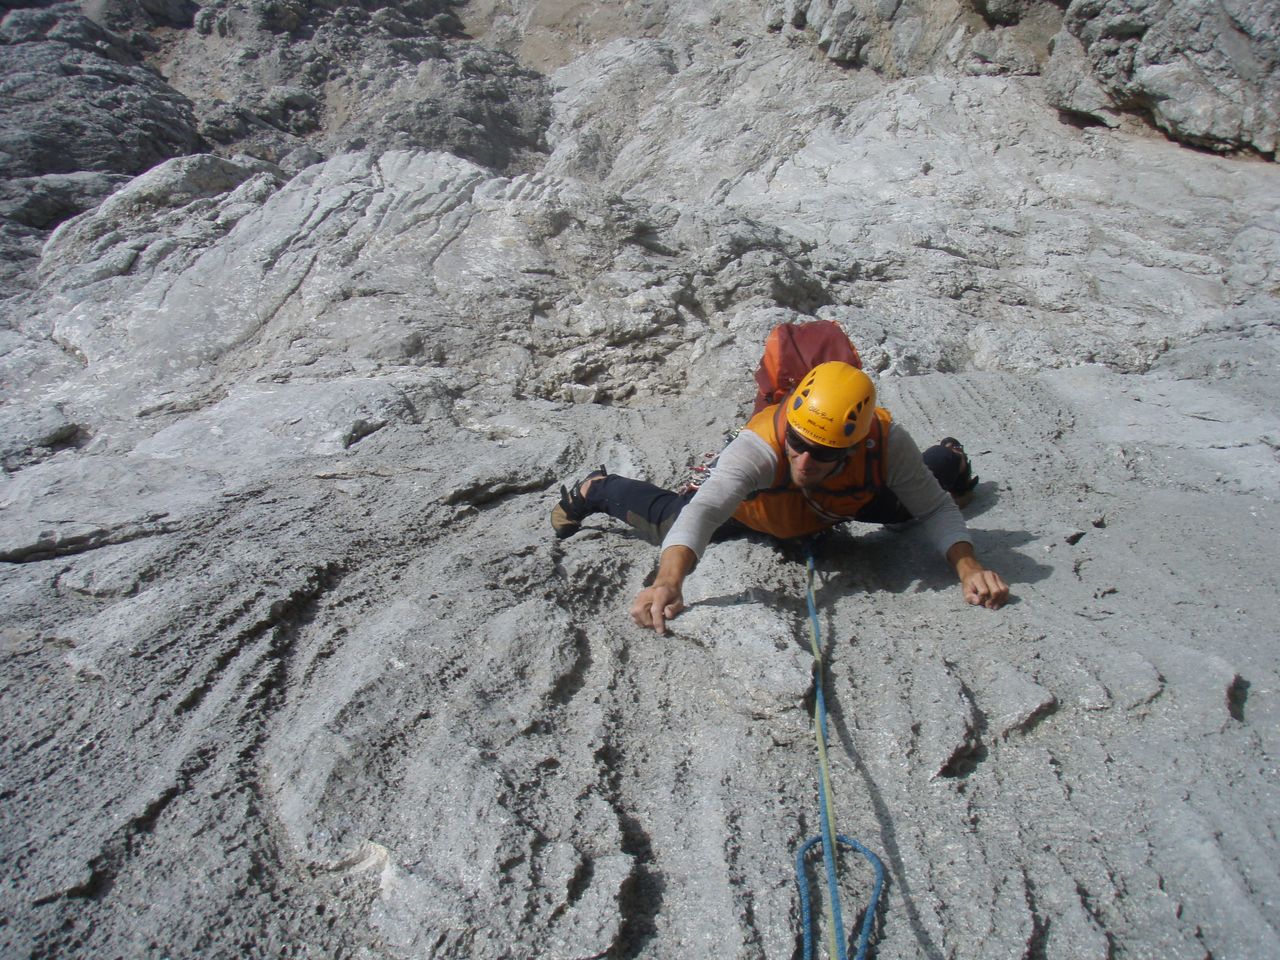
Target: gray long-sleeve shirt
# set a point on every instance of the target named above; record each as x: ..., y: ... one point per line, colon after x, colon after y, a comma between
x: 749, y: 464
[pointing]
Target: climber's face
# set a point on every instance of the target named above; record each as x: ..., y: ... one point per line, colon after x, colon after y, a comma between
x: 811, y: 463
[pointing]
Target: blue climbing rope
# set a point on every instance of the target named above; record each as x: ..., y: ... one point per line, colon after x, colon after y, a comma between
x: 805, y: 910
x: 826, y: 808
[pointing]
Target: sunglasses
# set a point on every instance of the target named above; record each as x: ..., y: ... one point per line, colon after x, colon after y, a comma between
x: 819, y: 452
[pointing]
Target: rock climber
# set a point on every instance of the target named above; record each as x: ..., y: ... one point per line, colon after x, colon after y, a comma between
x: 825, y: 455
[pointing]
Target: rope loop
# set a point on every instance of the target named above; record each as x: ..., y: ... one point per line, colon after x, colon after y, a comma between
x: 826, y: 808
x: 868, y: 919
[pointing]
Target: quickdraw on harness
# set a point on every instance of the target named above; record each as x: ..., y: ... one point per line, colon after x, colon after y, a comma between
x: 829, y: 838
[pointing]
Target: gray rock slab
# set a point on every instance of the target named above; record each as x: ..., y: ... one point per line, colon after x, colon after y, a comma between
x: 292, y: 662
x: 44, y: 202
x: 273, y: 79
x: 75, y: 99
x: 1208, y: 75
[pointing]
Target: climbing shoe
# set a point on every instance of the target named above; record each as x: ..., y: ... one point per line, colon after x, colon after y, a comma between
x: 568, y: 514
x: 948, y: 462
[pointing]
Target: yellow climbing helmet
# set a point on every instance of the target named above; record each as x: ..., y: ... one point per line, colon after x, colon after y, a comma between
x: 833, y: 405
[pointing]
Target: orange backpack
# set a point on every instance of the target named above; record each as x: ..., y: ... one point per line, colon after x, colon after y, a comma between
x: 792, y: 350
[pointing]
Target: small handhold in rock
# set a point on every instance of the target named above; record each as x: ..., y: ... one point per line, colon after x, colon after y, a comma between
x: 1237, y: 695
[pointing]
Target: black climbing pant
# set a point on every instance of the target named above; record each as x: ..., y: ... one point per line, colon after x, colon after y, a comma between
x: 651, y: 510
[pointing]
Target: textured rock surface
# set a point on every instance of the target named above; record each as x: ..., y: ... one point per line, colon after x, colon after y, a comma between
x: 292, y: 664
x: 919, y: 36
x: 73, y: 97
x: 1207, y: 73
x: 290, y: 82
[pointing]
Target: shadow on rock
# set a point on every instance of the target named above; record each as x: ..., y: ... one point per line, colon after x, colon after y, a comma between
x: 891, y: 561
x: 898, y: 874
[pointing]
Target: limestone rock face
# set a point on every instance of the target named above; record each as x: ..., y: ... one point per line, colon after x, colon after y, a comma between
x: 73, y: 97
x: 79, y: 113
x: 291, y: 82
x: 290, y: 659
x: 1009, y: 37
x: 1207, y: 73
